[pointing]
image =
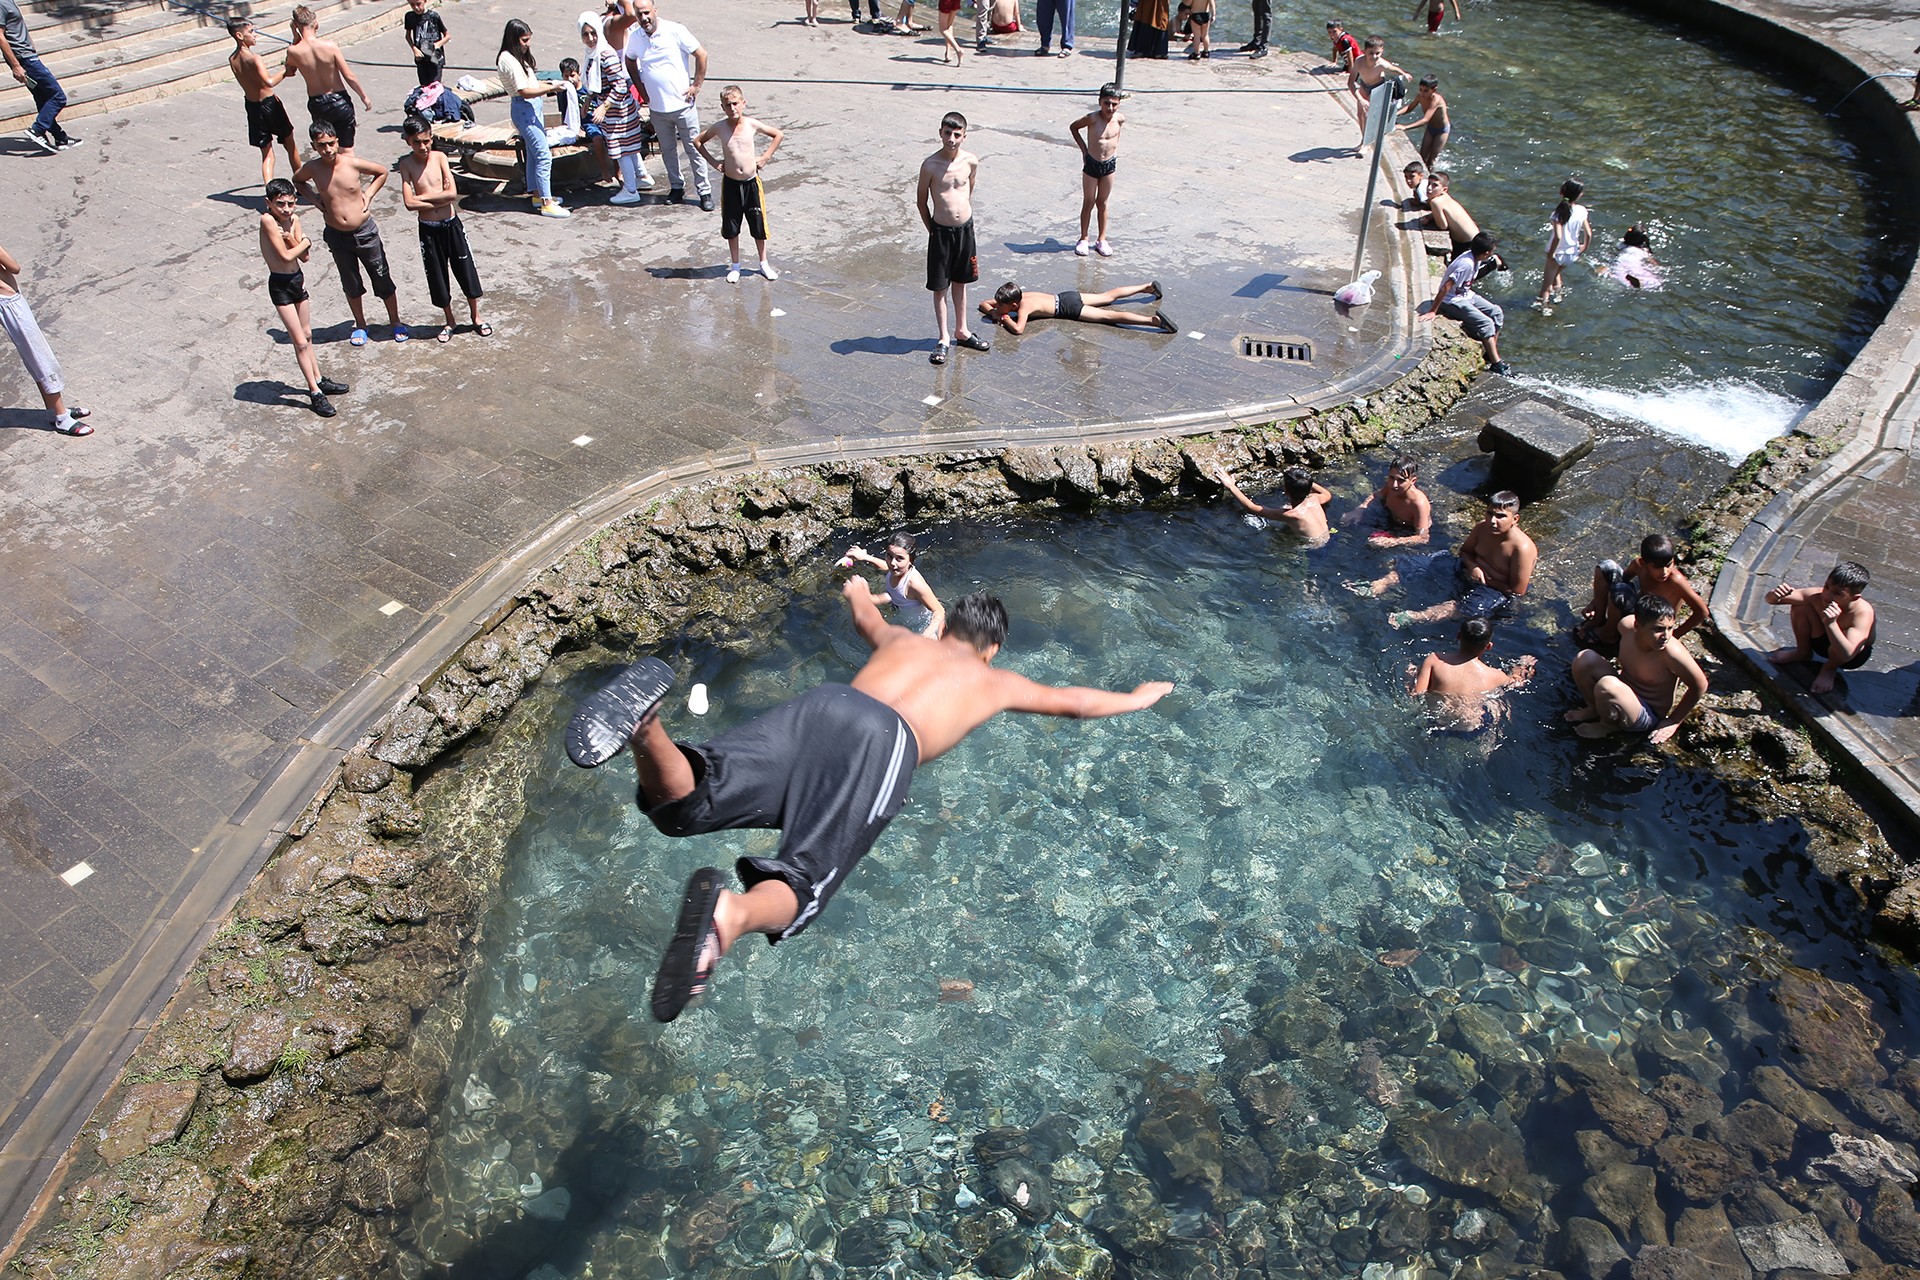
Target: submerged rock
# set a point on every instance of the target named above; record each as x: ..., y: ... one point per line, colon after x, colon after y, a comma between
x: 1828, y: 1030
x: 1469, y: 1152
x: 1863, y: 1162
x: 1181, y: 1135
x: 1700, y: 1171
x: 1589, y: 1251
x: 1894, y: 1224
x: 1798, y: 1244
x: 1628, y: 1114
x: 1623, y: 1195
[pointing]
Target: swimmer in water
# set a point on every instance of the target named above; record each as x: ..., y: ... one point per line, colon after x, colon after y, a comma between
x: 1305, y: 513
x: 829, y: 769
x: 1459, y: 683
x: 907, y: 588
x: 1636, y: 266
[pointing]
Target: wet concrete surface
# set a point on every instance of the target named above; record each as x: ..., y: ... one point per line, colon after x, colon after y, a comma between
x: 217, y: 583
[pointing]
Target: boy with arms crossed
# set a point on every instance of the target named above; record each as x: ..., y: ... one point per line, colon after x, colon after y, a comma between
x: 426, y: 187
x: 945, y: 197
x: 284, y: 245
x: 742, y: 198
x: 1098, y: 137
x: 267, y: 121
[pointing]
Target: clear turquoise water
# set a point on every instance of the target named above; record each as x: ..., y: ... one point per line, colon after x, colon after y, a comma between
x: 1121, y: 894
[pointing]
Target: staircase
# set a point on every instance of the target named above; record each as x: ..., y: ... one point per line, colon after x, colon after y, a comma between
x: 109, y: 54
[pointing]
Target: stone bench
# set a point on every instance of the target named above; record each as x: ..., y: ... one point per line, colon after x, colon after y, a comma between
x: 1532, y: 444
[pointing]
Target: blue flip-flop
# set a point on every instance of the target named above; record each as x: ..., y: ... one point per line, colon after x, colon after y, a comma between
x: 609, y: 716
x: 400, y: 333
x: 680, y: 981
x: 359, y: 338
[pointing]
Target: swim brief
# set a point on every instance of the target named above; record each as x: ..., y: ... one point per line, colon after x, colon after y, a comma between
x: 336, y: 109
x: 1645, y: 722
x: 829, y: 770
x: 952, y: 257
x: 267, y: 122
x: 1435, y: 127
x: 1433, y: 19
x: 1818, y: 647
x: 949, y: 6
x: 1201, y: 19
x: 1069, y: 304
x: 286, y: 288
x: 1098, y: 168
x: 742, y: 199
x: 353, y: 249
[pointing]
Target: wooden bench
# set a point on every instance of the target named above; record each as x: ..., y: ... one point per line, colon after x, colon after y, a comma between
x: 490, y: 159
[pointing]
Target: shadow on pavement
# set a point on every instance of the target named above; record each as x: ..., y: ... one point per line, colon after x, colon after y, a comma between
x: 880, y: 346
x: 277, y: 394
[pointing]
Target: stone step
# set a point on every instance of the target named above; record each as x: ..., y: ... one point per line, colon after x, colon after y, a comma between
x: 69, y: 50
x: 49, y: 18
x: 178, y: 56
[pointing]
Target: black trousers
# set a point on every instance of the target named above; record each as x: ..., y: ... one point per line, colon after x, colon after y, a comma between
x: 1262, y: 21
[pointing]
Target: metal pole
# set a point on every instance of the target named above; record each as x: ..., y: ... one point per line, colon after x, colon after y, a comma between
x: 1380, y: 115
x: 1120, y: 48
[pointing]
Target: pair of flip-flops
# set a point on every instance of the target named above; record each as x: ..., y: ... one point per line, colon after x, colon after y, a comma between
x: 75, y: 427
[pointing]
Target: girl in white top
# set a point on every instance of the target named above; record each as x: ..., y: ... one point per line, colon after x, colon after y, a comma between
x: 1571, y: 233
x: 920, y: 609
x: 525, y: 91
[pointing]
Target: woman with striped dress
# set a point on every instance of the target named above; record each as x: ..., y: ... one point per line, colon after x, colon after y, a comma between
x: 603, y: 75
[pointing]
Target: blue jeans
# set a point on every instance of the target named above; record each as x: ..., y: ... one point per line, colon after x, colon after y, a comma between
x: 526, y: 118
x: 1048, y: 11
x: 46, y: 91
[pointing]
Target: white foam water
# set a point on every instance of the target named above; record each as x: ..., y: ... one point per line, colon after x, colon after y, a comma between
x: 1728, y: 416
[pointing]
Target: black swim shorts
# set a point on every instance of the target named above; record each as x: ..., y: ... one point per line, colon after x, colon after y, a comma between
x: 286, y: 288
x: 1817, y: 646
x: 336, y: 109
x: 952, y: 257
x: 1068, y: 307
x: 353, y: 249
x: 1098, y: 168
x: 742, y: 200
x: 267, y: 122
x: 829, y: 769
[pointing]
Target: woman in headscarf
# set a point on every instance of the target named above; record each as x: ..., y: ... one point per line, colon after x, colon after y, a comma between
x: 610, y: 104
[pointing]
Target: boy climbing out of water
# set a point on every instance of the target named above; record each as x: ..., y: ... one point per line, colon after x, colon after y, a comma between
x: 1638, y: 697
x: 1494, y: 567
x: 742, y: 198
x: 1432, y: 119
x: 1098, y: 137
x: 1833, y: 624
x: 1404, y: 509
x: 1305, y: 513
x: 828, y: 769
x: 1615, y: 590
x: 1013, y: 306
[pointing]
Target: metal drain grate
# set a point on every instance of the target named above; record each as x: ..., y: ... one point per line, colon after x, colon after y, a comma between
x: 1257, y: 347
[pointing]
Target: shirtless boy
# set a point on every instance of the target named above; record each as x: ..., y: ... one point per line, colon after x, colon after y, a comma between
x: 1638, y: 698
x: 1404, y: 509
x: 1615, y: 590
x: 426, y: 187
x: 1833, y: 624
x: 321, y: 64
x: 1365, y: 75
x: 830, y: 769
x: 1305, y: 513
x: 945, y: 197
x: 1098, y: 137
x: 742, y: 198
x: 284, y: 245
x: 1432, y: 119
x: 332, y: 180
x: 267, y: 121
x: 1446, y: 213
x: 1013, y: 306
x: 1494, y: 565
x: 1461, y: 681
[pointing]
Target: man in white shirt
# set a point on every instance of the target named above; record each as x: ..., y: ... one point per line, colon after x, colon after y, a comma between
x: 670, y: 66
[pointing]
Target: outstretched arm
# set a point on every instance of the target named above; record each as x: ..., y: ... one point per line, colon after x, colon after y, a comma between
x: 1252, y: 507
x: 1075, y: 702
x: 866, y: 618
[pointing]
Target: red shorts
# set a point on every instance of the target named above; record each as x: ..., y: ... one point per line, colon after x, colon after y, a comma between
x: 949, y: 6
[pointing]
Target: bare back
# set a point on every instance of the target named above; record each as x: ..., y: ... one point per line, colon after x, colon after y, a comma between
x: 319, y: 64
x: 1451, y: 216
x: 248, y: 68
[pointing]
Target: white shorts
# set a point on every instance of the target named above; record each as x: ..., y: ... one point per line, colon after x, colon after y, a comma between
x: 16, y: 317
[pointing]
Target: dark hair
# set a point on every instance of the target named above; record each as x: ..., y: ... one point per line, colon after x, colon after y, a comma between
x: 1570, y: 190
x: 1657, y: 549
x: 1414, y: 166
x: 1482, y: 242
x: 953, y: 120
x: 1442, y: 177
x: 1110, y: 90
x: 413, y: 126
x: 1849, y: 576
x: 1298, y: 482
x: 1376, y: 42
x: 1404, y: 465
x: 978, y: 618
x: 236, y: 25
x: 1505, y: 500
x: 1650, y: 609
x: 904, y: 541
x: 1008, y: 294
x: 1476, y: 634
x: 321, y: 129
x: 510, y: 42
x: 569, y: 66
x: 1429, y: 81
x: 1635, y: 237
x: 281, y: 187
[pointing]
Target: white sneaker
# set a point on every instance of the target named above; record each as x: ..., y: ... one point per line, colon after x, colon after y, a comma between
x: 1104, y: 249
x: 733, y: 273
x: 766, y: 269
x: 643, y: 182
x: 1081, y: 249
x: 624, y: 196
x: 552, y: 209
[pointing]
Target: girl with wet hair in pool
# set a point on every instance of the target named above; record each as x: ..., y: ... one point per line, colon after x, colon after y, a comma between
x: 906, y: 587
x: 1635, y: 266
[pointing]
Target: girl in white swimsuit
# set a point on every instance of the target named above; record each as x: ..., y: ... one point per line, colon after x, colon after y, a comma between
x: 907, y: 590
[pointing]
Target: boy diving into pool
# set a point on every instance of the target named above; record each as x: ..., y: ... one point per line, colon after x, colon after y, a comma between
x: 828, y: 769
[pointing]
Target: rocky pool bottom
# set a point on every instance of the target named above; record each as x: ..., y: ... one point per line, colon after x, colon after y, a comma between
x: 342, y: 1087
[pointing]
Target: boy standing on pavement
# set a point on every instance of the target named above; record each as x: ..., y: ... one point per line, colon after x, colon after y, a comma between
x: 1098, y: 137
x: 426, y: 187
x: 328, y: 77
x: 16, y: 317
x: 284, y: 245
x: 742, y: 198
x: 48, y: 97
x: 426, y: 33
x: 332, y: 180
x: 267, y: 121
x: 945, y: 197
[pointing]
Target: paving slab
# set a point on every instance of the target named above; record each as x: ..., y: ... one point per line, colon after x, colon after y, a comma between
x: 214, y: 595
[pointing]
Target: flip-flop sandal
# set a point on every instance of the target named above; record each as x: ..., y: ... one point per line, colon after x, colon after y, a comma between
x: 607, y: 719
x: 445, y: 334
x: 484, y: 329
x: 400, y: 333
x: 1166, y: 324
x: 680, y: 981
x: 359, y: 338
x: 75, y: 411
x: 77, y: 429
